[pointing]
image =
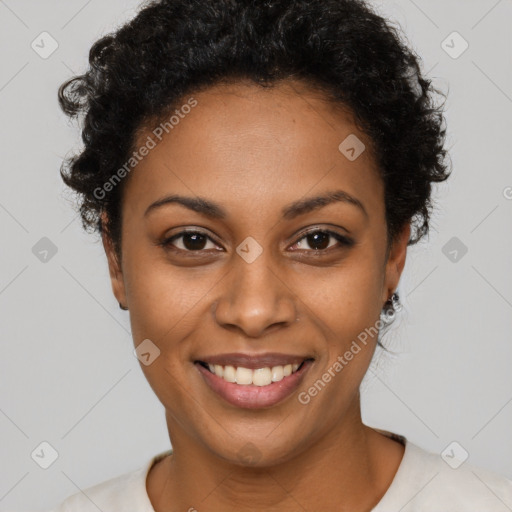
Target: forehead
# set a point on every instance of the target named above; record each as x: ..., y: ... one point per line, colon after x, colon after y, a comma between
x: 246, y: 143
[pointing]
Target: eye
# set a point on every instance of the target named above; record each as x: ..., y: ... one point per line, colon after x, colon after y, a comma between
x: 193, y: 241
x: 318, y: 240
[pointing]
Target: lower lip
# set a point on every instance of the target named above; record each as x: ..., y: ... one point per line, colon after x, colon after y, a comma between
x: 251, y: 396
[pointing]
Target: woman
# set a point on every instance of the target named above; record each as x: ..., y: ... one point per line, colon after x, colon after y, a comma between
x: 257, y: 171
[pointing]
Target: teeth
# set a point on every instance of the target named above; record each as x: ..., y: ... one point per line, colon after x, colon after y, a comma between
x: 277, y: 373
x: 243, y: 375
x: 229, y: 373
x: 258, y: 377
x: 261, y: 376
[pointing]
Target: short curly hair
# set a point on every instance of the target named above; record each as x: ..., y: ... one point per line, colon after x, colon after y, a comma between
x: 343, y: 48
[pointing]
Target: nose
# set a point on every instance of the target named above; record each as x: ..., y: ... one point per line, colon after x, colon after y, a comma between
x: 255, y: 298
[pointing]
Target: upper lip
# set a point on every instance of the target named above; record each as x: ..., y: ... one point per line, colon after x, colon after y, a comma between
x: 253, y: 362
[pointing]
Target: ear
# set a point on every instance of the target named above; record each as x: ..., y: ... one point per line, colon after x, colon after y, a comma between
x: 114, y: 265
x: 396, y: 261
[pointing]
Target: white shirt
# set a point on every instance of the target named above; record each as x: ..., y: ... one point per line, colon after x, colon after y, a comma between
x: 424, y: 482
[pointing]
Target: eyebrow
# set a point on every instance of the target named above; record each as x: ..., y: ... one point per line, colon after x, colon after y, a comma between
x: 215, y: 211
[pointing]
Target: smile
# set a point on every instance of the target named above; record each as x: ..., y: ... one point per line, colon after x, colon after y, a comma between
x: 258, y: 377
x: 253, y: 382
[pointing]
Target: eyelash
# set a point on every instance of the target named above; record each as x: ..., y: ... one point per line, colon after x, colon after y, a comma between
x: 167, y: 243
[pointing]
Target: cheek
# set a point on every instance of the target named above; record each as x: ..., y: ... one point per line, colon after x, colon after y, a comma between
x: 348, y: 299
x: 166, y: 307
x: 165, y: 301
x: 346, y: 306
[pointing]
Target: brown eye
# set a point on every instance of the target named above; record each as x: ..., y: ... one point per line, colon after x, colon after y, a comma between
x: 192, y: 241
x: 319, y: 240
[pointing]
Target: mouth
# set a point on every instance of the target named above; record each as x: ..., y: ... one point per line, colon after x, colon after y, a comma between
x: 246, y: 376
x: 253, y: 382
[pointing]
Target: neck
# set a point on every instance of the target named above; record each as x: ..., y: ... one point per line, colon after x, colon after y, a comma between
x: 349, y: 468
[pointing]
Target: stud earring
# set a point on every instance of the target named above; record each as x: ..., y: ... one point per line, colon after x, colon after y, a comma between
x: 391, y: 307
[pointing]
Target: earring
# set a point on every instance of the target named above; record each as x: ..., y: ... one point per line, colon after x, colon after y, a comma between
x: 395, y: 302
x: 390, y: 308
x: 124, y: 308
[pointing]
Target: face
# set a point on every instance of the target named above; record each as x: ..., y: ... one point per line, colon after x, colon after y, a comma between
x: 263, y: 278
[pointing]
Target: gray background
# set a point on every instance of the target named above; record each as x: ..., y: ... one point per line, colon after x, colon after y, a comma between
x: 68, y: 374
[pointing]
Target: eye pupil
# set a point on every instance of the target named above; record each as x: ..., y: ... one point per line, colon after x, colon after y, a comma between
x: 318, y: 238
x: 197, y: 241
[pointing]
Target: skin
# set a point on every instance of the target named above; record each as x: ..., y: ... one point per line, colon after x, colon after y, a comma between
x: 254, y: 151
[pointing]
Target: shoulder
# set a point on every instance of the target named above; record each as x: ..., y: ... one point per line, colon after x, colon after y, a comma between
x: 461, y: 483
x: 114, y: 494
x: 123, y: 492
x: 427, y: 481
